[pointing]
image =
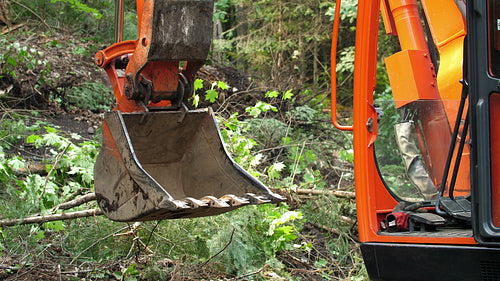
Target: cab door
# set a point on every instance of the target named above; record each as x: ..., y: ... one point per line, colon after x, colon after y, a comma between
x: 483, y: 75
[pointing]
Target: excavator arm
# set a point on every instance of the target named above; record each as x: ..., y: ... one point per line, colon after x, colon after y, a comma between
x: 158, y: 159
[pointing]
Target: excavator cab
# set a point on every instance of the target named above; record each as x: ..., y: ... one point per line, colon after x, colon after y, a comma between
x: 430, y: 210
x: 158, y: 159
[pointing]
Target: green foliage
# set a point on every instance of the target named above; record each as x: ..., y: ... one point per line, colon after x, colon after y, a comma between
x: 210, y: 94
x: 348, y: 11
x: 239, y: 145
x: 14, y: 128
x: 80, y: 7
x: 259, y: 108
x: 329, y: 211
x: 257, y: 234
x: 274, y: 170
x: 74, y: 171
x: 92, y: 19
x: 274, y: 94
x: 14, y: 56
x: 346, y: 61
x: 281, y: 43
x: 281, y: 231
x: 90, y: 95
x: 347, y: 155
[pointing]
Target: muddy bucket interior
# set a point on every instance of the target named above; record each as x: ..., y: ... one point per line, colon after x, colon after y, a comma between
x: 170, y: 164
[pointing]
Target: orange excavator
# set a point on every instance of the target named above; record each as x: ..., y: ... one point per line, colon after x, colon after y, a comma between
x: 440, y: 218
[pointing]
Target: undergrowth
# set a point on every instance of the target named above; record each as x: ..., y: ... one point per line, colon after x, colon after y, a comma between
x: 248, y: 241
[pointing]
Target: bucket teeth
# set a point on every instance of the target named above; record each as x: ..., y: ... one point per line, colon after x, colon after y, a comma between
x: 256, y: 199
x: 173, y: 205
x: 195, y: 203
x: 214, y: 202
x: 234, y: 200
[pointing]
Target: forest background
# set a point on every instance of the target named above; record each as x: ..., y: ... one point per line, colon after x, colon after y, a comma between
x: 267, y: 78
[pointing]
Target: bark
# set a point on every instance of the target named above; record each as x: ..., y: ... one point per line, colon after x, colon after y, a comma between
x: 337, y: 193
x: 53, y: 217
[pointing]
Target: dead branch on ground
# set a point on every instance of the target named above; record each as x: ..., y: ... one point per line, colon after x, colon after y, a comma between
x: 53, y: 217
x: 337, y: 193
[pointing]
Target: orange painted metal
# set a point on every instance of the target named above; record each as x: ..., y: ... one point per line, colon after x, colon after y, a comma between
x: 407, y: 21
x: 448, y: 31
x: 122, y: 103
x: 422, y: 83
x: 106, y: 56
x: 390, y: 26
x: 162, y: 76
x: 373, y: 200
x: 419, y: 83
x: 333, y: 62
x: 365, y: 169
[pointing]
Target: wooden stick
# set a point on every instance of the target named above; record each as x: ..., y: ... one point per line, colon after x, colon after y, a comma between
x: 76, y: 202
x: 56, y: 163
x: 337, y: 193
x: 53, y: 217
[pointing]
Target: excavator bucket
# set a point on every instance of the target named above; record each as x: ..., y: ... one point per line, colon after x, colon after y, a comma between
x: 170, y: 164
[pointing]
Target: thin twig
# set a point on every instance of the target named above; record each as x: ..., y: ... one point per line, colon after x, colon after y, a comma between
x: 97, y: 242
x: 56, y: 163
x: 151, y: 233
x: 249, y: 274
x: 30, y: 10
x: 297, y: 160
x: 222, y: 250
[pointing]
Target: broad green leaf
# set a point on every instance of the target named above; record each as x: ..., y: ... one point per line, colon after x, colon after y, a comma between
x: 211, y: 95
x: 272, y: 94
x: 16, y: 163
x: 254, y: 111
x: 50, y: 129
x: 198, y: 84
x: 222, y: 85
x: 32, y: 138
x: 274, y: 170
x: 287, y: 95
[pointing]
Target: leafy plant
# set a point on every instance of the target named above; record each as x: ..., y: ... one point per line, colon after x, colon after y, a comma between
x: 90, y: 95
x: 210, y: 94
x: 31, y: 58
x: 81, y: 7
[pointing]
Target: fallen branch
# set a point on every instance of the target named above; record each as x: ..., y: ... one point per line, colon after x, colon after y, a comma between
x: 337, y: 193
x: 76, y: 202
x: 53, y: 217
x: 11, y: 28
